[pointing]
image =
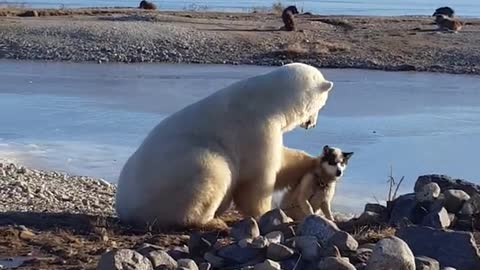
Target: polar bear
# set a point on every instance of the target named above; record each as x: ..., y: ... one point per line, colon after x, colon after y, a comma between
x: 226, y: 147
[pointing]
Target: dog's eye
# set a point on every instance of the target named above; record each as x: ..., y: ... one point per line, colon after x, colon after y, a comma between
x: 333, y: 163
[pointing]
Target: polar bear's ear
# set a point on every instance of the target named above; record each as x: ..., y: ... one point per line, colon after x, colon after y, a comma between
x: 326, y: 86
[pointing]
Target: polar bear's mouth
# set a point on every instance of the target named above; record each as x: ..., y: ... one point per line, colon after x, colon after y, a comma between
x: 310, y: 123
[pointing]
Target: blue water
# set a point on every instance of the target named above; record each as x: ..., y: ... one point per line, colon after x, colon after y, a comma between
x: 470, y: 8
x: 86, y: 119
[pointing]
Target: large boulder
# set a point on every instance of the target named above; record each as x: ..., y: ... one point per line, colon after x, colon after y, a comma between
x: 308, y: 247
x: 124, y: 259
x: 236, y: 254
x: 437, y: 219
x: 334, y: 263
x: 279, y: 252
x: 471, y: 206
x: 454, y: 199
x: 391, y: 253
x: 344, y: 241
x: 428, y: 192
x: 160, y: 258
x: 320, y: 227
x: 446, y: 183
x: 451, y: 248
x: 246, y: 228
x: 426, y: 263
x: 407, y: 207
x: 272, y: 220
x: 268, y: 265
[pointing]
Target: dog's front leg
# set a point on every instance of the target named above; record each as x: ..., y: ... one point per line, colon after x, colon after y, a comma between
x: 326, y: 209
x: 306, y: 187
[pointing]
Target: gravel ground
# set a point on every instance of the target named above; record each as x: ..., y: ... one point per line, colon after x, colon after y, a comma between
x: 386, y: 43
x: 23, y: 190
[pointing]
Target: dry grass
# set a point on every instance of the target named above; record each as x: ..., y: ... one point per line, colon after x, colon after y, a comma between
x: 393, y: 186
x: 370, y: 234
x: 278, y: 7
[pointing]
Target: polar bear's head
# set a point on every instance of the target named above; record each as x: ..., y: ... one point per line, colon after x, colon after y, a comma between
x: 301, y: 91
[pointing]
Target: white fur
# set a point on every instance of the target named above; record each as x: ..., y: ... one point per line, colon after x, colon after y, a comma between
x: 225, y: 147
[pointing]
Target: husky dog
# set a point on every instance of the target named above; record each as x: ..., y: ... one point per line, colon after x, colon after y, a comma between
x: 447, y: 11
x: 147, y: 5
x: 446, y: 23
x: 316, y: 188
x: 287, y: 17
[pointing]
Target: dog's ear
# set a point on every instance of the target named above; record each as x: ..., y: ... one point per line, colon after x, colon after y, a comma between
x: 347, y: 155
x: 326, y: 149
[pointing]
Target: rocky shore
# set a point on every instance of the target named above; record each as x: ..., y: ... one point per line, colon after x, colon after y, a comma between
x: 132, y: 36
x: 51, y: 220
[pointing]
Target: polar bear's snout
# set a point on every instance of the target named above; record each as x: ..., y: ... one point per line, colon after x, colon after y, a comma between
x: 310, y: 123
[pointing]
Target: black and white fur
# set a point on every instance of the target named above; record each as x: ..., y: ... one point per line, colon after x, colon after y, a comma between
x: 315, y: 191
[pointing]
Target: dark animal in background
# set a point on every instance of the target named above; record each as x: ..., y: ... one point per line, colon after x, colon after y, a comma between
x: 446, y: 23
x: 147, y: 5
x: 448, y: 11
x: 287, y: 17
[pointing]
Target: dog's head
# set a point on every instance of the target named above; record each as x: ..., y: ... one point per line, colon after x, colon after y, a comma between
x: 292, y: 9
x: 333, y: 161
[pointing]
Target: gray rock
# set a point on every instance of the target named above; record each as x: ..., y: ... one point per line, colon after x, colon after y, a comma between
x: 247, y: 242
x: 260, y: 242
x: 362, y: 255
x: 319, y: 227
x: 452, y: 248
x: 205, y: 266
x: 161, y: 258
x: 124, y: 259
x: 446, y: 183
x: 147, y: 247
x: 334, y: 263
x: 274, y: 237
x: 329, y: 251
x: 271, y: 220
x: 367, y: 246
x: 428, y: 192
x: 391, y: 253
x: 375, y: 208
x: 308, y: 247
x: 437, y: 219
x: 426, y: 263
x: 237, y: 254
x: 344, y: 241
x: 293, y: 263
x: 361, y: 266
x: 246, y: 228
x: 187, y: 264
x: 279, y: 252
x: 199, y: 243
x: 471, y: 206
x: 178, y: 253
x: 214, y: 260
x: 406, y: 207
x: 454, y: 199
x: 267, y: 265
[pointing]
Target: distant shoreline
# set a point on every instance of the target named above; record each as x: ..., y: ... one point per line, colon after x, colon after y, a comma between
x: 129, y: 35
